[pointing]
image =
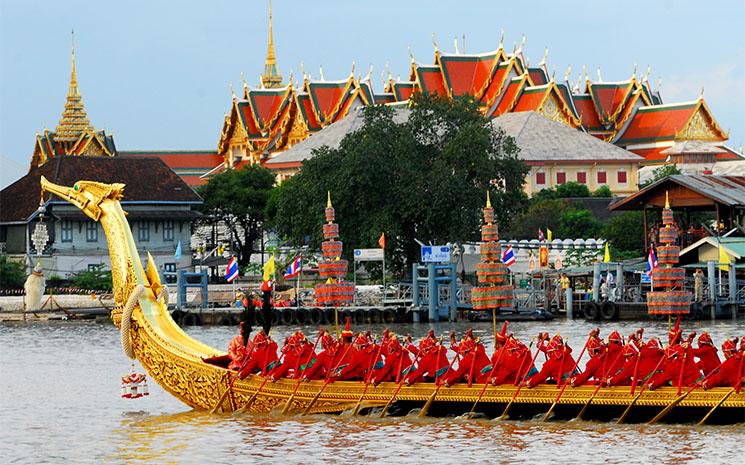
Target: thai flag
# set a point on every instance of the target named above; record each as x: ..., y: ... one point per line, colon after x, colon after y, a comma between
x: 508, y: 256
x: 294, y: 268
x: 651, y: 261
x: 231, y: 272
x: 540, y: 235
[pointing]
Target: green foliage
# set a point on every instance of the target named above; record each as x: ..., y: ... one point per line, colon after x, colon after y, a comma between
x: 55, y: 281
x: 238, y: 199
x: 661, y: 173
x: 626, y: 232
x: 542, y: 214
x: 422, y: 179
x: 572, y: 189
x: 579, y: 223
x: 98, y: 280
x: 12, y: 275
x: 603, y: 191
x: 567, y: 190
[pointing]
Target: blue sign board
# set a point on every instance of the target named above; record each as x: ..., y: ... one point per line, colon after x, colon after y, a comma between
x: 436, y: 253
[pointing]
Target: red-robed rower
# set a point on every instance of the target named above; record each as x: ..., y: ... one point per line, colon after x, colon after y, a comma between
x: 321, y: 365
x: 298, y: 350
x: 263, y: 355
x: 594, y: 369
x: 237, y: 349
x: 678, y: 367
x: 397, y: 360
x: 514, y: 363
x: 473, y: 359
x: 433, y: 361
x: 706, y: 353
x: 559, y: 364
x: 730, y: 369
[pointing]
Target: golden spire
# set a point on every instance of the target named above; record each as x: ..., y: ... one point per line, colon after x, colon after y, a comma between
x: 488, y: 200
x: 667, y: 201
x: 328, y: 199
x: 74, y: 120
x: 271, y: 77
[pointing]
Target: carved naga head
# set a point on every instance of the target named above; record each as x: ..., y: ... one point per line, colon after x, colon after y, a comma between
x: 86, y: 195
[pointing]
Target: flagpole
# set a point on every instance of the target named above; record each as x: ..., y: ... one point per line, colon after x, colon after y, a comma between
x: 297, y: 288
x: 384, y: 276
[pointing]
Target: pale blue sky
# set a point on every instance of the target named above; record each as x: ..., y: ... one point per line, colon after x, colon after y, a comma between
x: 156, y: 74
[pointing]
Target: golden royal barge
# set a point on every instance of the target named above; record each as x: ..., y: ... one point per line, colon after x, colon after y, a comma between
x: 175, y: 360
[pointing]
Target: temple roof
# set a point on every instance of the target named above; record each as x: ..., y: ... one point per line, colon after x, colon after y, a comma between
x: 146, y: 180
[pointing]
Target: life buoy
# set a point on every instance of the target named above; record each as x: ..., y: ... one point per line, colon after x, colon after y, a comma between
x: 287, y: 316
x: 359, y: 317
x: 590, y: 311
x: 330, y: 316
x: 609, y: 311
x: 225, y: 321
x: 192, y: 319
x: 276, y: 314
x: 376, y: 316
x: 316, y: 316
x: 178, y: 317
x: 301, y: 315
x: 389, y: 315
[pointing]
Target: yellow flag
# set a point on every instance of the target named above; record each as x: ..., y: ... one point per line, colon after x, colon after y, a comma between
x: 606, y: 257
x: 269, y: 269
x: 550, y: 234
x: 724, y: 259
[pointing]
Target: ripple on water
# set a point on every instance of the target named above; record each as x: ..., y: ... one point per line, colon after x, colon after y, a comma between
x: 60, y: 404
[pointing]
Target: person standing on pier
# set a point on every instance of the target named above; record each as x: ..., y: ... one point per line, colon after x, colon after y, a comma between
x: 698, y: 285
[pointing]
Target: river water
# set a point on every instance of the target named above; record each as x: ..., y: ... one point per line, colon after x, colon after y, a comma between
x: 59, y: 403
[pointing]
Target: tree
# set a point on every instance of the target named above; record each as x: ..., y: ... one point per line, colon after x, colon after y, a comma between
x: 572, y: 189
x: 579, y: 223
x: 422, y: 179
x: 603, y: 191
x: 626, y: 232
x: 545, y: 214
x: 661, y: 173
x: 238, y: 199
x: 12, y: 275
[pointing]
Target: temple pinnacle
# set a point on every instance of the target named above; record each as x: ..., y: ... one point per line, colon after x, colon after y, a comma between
x: 271, y: 77
x: 74, y: 119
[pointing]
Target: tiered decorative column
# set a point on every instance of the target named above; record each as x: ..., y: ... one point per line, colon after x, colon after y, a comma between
x: 671, y: 300
x: 334, y: 291
x: 494, y: 292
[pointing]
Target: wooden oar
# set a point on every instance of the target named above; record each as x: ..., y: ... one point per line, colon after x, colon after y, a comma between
x: 328, y: 380
x: 641, y: 391
x: 368, y: 378
x: 563, y: 388
x: 425, y: 409
x: 721, y: 401
x: 300, y: 378
x: 491, y: 374
x: 606, y: 371
x: 520, y: 385
x: 230, y: 385
x: 253, y: 397
x: 400, y: 385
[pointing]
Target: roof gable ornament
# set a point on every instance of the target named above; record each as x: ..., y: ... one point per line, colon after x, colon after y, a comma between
x: 501, y: 40
x: 455, y: 44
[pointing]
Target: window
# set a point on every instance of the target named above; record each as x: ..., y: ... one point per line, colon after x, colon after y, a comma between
x: 540, y: 178
x: 168, y: 228
x: 91, y: 231
x: 169, y: 272
x: 622, y: 177
x: 66, y: 231
x: 602, y: 177
x: 582, y: 177
x: 143, y: 231
x: 561, y: 178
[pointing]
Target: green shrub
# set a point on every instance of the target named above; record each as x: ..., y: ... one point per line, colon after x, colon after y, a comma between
x: 98, y: 280
x: 603, y: 191
x: 12, y: 275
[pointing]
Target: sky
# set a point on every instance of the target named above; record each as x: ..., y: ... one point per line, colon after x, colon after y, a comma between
x: 157, y: 74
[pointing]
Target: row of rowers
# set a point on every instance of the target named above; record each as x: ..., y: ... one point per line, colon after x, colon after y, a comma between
x: 612, y: 363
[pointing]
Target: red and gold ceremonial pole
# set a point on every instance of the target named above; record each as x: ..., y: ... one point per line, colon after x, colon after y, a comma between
x: 494, y: 291
x: 334, y: 292
x: 671, y: 299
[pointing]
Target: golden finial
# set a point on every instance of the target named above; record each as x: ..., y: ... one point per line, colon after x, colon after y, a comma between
x: 584, y: 71
x: 369, y: 73
x: 659, y: 84
x: 292, y: 73
x: 353, y: 65
x: 271, y: 77
x: 600, y: 77
x: 553, y: 75
x: 701, y: 96
x: 320, y: 71
x: 463, y: 43
x: 302, y: 69
x: 646, y: 73
x: 633, y: 73
x: 388, y: 70
x: 501, y: 39
x: 667, y: 201
x: 567, y: 73
x: 522, y: 43
x: 232, y: 92
x: 328, y: 199
x: 455, y: 43
x: 411, y: 54
x: 579, y: 83
x: 243, y: 79
x: 488, y: 200
x: 434, y: 42
x: 73, y: 76
x: 543, y: 60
